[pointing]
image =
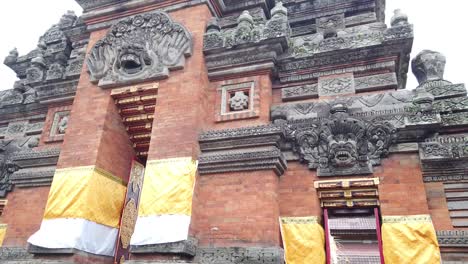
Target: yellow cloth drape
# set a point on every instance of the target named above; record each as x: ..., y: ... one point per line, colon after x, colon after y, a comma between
x: 409, y: 240
x: 3, y: 229
x: 168, y: 187
x: 303, y: 240
x: 86, y: 193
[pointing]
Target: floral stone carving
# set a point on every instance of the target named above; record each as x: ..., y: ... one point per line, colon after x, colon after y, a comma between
x: 139, y: 48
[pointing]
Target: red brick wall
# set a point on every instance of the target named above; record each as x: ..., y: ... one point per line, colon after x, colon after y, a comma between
x: 23, y: 214
x: 95, y: 133
x: 237, y: 209
x: 182, y: 98
x: 437, y: 203
x: 401, y: 188
x: 297, y: 195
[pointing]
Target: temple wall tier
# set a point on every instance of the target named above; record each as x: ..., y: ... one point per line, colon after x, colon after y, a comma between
x: 221, y: 131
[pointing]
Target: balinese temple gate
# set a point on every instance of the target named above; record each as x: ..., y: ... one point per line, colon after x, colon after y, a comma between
x: 230, y: 132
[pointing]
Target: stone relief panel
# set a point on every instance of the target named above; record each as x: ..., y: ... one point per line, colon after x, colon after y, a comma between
x: 8, y: 148
x: 59, y: 125
x: 247, y: 31
x: 307, y: 91
x: 140, y: 48
x: 237, y: 101
x: 240, y: 255
x: 336, y: 85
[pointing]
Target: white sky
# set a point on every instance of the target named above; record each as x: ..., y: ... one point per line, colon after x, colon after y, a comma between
x: 439, y: 25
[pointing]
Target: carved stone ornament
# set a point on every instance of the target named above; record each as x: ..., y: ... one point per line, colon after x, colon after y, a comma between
x: 340, y: 144
x: 139, y: 48
x: 428, y: 66
x: 239, y: 102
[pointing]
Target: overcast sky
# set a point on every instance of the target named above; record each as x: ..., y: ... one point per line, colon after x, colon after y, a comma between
x: 439, y: 25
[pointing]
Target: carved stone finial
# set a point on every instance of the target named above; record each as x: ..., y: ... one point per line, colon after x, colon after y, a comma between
x: 399, y: 18
x: 245, y: 18
x: 279, y: 9
x: 423, y: 100
x: 213, y: 26
x: 428, y: 66
x: 39, y: 61
x: 19, y: 86
x: 42, y: 45
x: 339, y: 108
x: 12, y: 57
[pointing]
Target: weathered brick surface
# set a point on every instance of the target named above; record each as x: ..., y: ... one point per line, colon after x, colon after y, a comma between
x: 297, y: 195
x: 401, y: 189
x: 23, y: 214
x: 182, y: 98
x: 437, y: 204
x: 237, y: 209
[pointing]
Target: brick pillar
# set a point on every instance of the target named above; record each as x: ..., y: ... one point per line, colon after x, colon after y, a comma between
x: 181, y: 107
x: 238, y: 210
x: 96, y: 134
x: 401, y: 190
x: 95, y: 137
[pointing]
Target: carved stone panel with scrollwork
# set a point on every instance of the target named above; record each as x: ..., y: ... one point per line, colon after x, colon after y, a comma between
x: 139, y: 48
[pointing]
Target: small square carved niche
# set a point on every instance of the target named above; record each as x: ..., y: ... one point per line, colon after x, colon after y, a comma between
x: 238, y: 101
x: 59, y: 125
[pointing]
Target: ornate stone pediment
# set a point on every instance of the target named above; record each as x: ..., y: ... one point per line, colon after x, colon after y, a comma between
x: 340, y: 144
x: 140, y: 48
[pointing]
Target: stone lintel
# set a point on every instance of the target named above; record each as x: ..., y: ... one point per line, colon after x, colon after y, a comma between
x: 32, y: 249
x: 187, y: 247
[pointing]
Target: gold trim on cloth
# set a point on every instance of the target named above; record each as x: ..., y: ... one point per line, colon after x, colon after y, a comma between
x: 86, y: 193
x: 303, y: 240
x: 168, y: 187
x: 3, y: 230
x: 300, y: 220
x: 409, y: 239
x: 407, y: 219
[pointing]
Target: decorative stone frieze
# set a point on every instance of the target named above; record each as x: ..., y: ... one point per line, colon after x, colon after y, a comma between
x: 259, y: 158
x: 14, y: 254
x: 452, y: 238
x: 90, y: 4
x: 443, y: 158
x: 187, y: 247
x: 8, y: 165
x: 376, y: 82
x: 246, y: 149
x: 336, y: 85
x: 248, y: 47
x: 307, y: 91
x: 139, y: 48
x: 240, y: 255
